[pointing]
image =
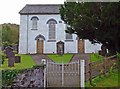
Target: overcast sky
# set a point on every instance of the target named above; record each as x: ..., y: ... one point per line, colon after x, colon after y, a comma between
x: 9, y: 9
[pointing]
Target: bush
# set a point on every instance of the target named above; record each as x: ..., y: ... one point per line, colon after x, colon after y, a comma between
x: 8, y: 76
x: 118, y: 56
x: 3, y: 57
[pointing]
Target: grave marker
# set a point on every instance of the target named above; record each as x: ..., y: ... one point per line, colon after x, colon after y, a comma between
x: 11, y: 56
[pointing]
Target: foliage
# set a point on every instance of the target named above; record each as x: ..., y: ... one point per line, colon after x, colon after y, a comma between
x: 26, y: 62
x: 65, y: 58
x: 96, y: 21
x: 118, y: 56
x: 8, y: 76
x: 9, y: 34
x: 38, y: 66
x: 3, y: 57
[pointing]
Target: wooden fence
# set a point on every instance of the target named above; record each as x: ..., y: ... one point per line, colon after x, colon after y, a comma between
x: 101, y: 67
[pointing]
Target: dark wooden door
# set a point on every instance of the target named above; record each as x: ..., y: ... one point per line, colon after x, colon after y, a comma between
x: 60, y: 47
x: 40, y: 46
x: 80, y: 46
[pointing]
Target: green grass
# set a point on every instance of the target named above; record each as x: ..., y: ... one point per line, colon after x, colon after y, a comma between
x: 95, y: 57
x: 111, y: 80
x: 65, y: 58
x: 26, y: 62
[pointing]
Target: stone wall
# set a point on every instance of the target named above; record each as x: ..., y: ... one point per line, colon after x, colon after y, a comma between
x: 30, y: 78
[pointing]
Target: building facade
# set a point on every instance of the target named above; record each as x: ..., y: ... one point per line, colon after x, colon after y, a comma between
x: 43, y: 31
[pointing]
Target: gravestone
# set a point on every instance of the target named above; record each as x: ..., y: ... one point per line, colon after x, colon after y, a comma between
x: 17, y: 59
x: 11, y: 56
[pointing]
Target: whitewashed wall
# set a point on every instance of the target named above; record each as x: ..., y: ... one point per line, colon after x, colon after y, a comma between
x: 49, y: 47
x: 23, y: 35
x: 91, y: 48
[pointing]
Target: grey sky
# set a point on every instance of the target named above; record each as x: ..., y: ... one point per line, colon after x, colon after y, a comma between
x: 9, y: 9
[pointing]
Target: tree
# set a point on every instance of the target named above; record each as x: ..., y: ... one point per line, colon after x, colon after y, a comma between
x: 96, y: 21
x: 6, y: 33
x: 9, y: 34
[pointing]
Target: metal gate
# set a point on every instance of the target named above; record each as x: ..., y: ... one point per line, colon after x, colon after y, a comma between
x: 62, y: 75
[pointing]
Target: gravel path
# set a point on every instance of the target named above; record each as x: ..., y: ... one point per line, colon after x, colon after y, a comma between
x: 38, y: 57
x: 77, y: 57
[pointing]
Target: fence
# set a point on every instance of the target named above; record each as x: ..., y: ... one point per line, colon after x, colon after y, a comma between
x: 101, y: 67
x: 64, y: 75
x: 70, y: 75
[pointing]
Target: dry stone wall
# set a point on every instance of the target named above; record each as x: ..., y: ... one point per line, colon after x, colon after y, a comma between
x: 30, y: 78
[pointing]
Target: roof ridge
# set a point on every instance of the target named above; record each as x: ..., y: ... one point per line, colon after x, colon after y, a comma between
x: 42, y: 4
x: 40, y: 9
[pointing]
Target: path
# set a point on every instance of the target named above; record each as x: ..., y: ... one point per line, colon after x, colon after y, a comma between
x: 38, y: 57
x: 77, y: 57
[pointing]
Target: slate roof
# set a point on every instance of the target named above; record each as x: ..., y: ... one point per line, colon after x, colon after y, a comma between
x: 41, y: 9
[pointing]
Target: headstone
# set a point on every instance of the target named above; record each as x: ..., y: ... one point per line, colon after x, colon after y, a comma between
x: 11, y: 56
x: 17, y: 59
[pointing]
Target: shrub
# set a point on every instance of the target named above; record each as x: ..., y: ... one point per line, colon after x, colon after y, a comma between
x: 3, y: 57
x: 8, y: 76
x: 118, y: 56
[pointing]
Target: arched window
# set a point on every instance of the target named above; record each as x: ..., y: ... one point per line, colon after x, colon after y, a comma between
x: 52, y: 28
x: 68, y: 36
x: 34, y: 22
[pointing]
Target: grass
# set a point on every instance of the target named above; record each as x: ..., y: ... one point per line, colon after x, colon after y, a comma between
x: 26, y: 62
x: 111, y: 80
x: 95, y: 57
x: 65, y: 58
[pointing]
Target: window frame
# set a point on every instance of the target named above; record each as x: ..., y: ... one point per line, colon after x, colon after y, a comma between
x: 68, y: 37
x: 34, y: 20
x: 51, y: 30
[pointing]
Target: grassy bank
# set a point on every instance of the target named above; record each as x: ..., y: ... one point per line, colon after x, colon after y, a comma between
x: 111, y: 80
x: 95, y: 57
x: 26, y: 62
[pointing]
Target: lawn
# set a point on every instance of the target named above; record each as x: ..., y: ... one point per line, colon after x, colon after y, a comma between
x: 95, y: 57
x: 26, y: 62
x: 65, y: 58
x: 110, y: 81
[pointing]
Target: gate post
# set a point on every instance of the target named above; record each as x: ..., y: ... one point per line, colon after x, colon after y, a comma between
x: 82, y: 62
x: 62, y: 74
x: 45, y: 65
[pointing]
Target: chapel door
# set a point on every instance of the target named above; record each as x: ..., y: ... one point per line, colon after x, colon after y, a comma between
x: 39, y: 46
x: 80, y: 46
x: 60, y: 47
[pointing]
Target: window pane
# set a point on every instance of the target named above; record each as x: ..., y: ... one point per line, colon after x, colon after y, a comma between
x: 51, y: 30
x: 34, y: 23
x: 68, y: 36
